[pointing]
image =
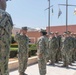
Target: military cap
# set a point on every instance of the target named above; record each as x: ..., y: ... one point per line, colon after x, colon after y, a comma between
x: 68, y: 32
x: 24, y: 28
x: 64, y: 33
x: 43, y: 31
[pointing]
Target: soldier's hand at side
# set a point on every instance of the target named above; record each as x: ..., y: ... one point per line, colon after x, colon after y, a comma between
x: 39, y: 55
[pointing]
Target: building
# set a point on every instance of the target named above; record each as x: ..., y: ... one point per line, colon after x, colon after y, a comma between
x: 34, y: 34
x: 62, y: 29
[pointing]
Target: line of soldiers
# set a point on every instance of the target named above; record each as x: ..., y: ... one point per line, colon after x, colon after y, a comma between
x: 55, y: 48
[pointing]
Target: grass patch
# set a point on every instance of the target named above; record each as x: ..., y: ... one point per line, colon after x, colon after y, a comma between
x: 13, y: 49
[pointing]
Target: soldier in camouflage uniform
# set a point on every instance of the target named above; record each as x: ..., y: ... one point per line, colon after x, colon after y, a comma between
x: 75, y: 47
x: 6, y: 26
x: 62, y: 46
x: 67, y: 48
x: 42, y: 46
x: 58, y: 55
x: 23, y: 42
x: 74, y: 51
x: 53, y: 47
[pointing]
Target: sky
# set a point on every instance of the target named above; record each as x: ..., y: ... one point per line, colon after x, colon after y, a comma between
x: 31, y: 13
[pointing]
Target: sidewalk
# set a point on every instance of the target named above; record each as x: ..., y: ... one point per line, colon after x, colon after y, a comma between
x: 13, y: 63
x: 13, y: 59
x: 51, y: 70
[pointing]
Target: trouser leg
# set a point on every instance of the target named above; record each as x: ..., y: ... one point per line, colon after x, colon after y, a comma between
x: 42, y: 66
x: 4, y: 67
x: 22, y: 64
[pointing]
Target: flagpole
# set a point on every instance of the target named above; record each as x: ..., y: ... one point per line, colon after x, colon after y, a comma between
x: 66, y: 15
x: 49, y: 17
x: 66, y: 12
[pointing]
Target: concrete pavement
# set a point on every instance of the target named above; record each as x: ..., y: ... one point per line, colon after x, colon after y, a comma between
x: 51, y: 70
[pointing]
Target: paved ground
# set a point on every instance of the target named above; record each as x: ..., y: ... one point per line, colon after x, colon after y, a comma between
x: 51, y: 70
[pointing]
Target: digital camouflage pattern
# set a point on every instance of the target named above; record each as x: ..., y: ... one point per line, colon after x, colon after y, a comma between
x: 53, y: 47
x: 6, y: 26
x: 23, y: 42
x: 67, y: 48
x: 58, y: 54
x: 74, y: 51
x: 42, y: 52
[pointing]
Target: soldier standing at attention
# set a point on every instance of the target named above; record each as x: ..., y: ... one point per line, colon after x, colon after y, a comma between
x: 67, y: 48
x: 53, y: 47
x: 42, y: 46
x: 73, y: 52
x: 75, y: 47
x: 58, y: 55
x: 6, y: 26
x: 23, y: 42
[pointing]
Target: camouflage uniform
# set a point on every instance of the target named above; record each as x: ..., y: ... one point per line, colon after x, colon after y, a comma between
x: 22, y: 41
x: 74, y: 51
x: 53, y: 47
x: 42, y: 46
x: 58, y: 55
x: 67, y: 48
x: 6, y: 26
x: 75, y: 47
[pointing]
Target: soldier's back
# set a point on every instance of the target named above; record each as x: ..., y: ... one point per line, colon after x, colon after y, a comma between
x: 6, y: 26
x: 68, y: 43
x: 42, y: 45
x: 53, y: 43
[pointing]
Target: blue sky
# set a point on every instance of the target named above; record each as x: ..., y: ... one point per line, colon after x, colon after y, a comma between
x: 31, y: 13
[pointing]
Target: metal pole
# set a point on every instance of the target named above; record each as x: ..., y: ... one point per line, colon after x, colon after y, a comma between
x: 66, y: 15
x: 66, y: 12
x: 49, y: 18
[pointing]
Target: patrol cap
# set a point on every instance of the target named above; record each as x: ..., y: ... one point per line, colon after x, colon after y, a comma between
x: 24, y: 28
x: 64, y: 33
x: 68, y: 32
x: 43, y: 31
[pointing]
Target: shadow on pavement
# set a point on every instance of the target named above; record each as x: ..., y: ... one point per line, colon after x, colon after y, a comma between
x: 73, y: 67
x: 17, y: 67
